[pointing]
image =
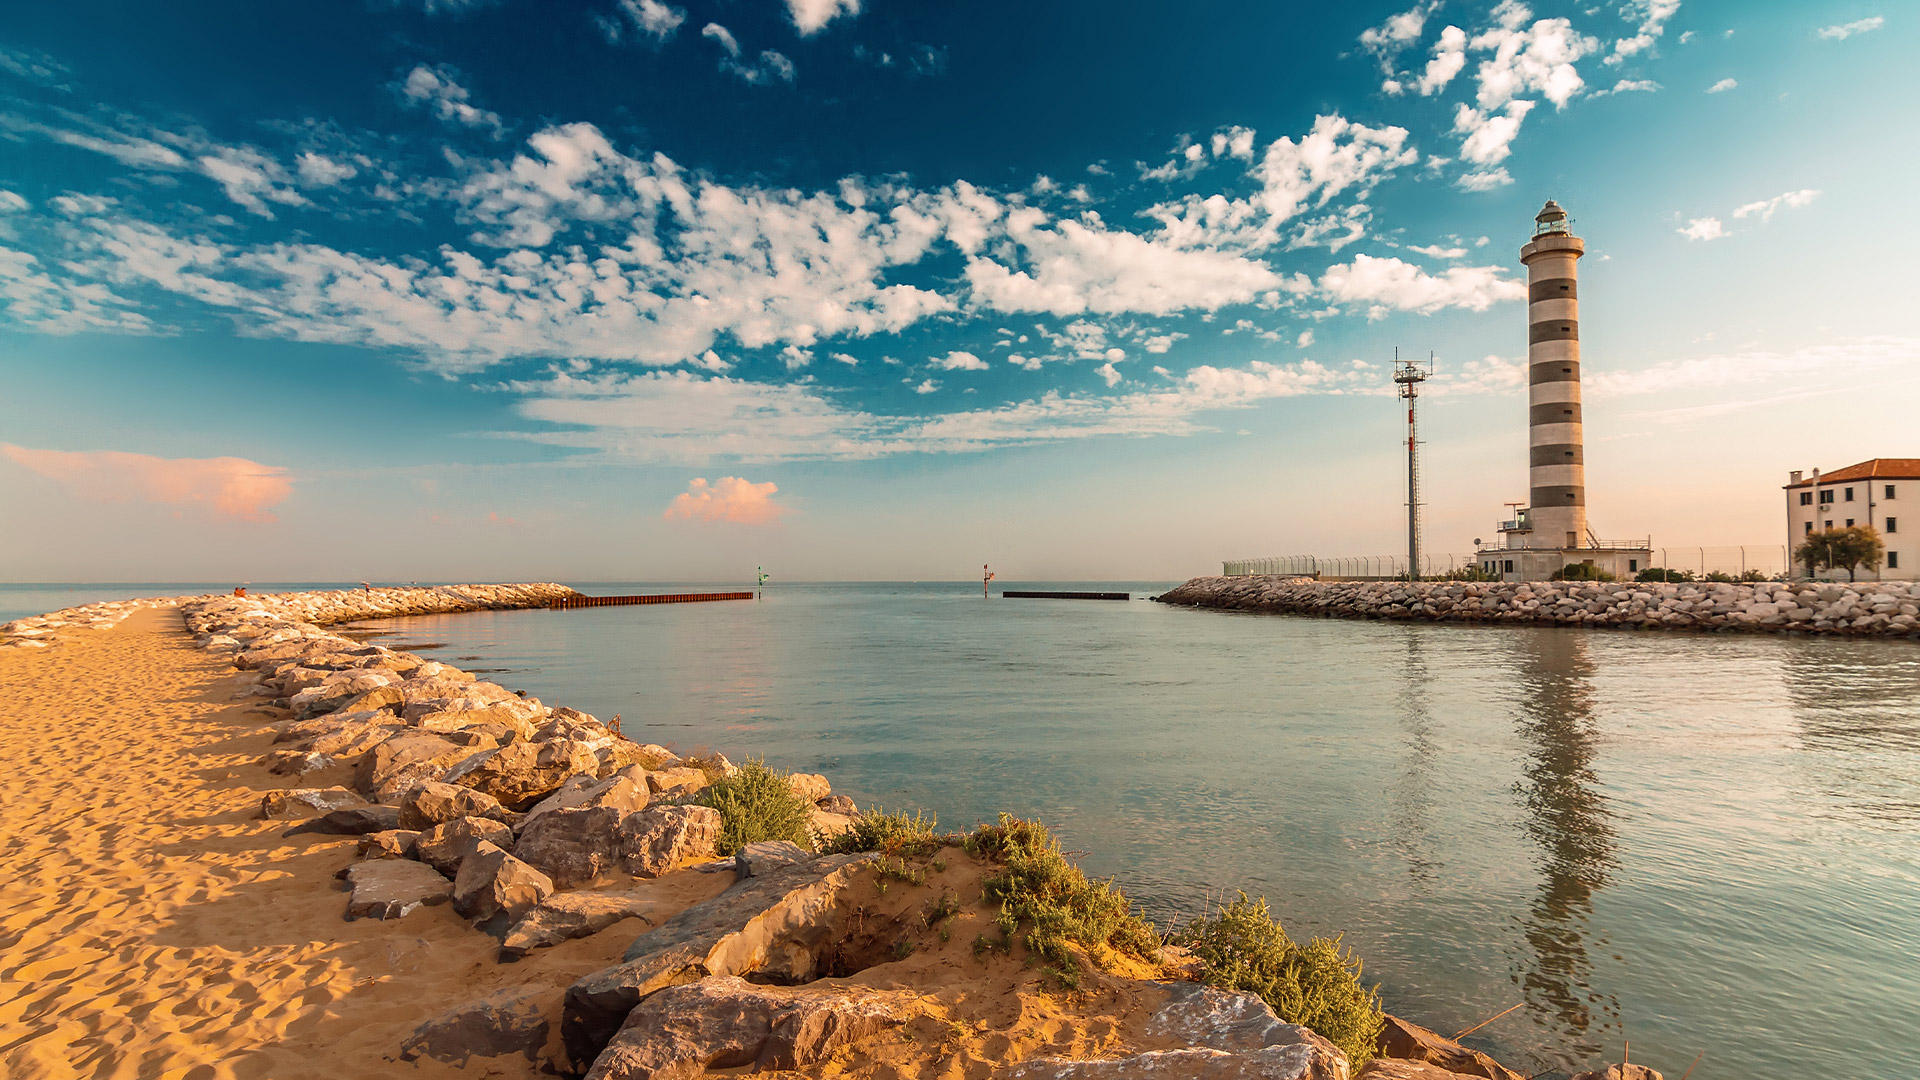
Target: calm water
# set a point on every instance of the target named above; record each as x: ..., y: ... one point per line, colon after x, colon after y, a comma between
x: 1692, y: 842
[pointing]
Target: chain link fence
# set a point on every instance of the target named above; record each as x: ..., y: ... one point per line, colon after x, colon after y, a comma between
x: 1735, y: 561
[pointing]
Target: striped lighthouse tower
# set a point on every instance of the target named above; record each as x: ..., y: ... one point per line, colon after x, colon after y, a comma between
x: 1556, y: 461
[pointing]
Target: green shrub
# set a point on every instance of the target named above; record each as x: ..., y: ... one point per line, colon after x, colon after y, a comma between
x: 1318, y: 985
x: 890, y: 834
x: 1655, y: 573
x: 1721, y: 576
x: 1041, y: 890
x: 756, y: 804
x: 1574, y: 571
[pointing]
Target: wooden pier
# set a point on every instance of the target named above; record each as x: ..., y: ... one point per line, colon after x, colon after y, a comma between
x: 659, y: 598
x: 1068, y: 595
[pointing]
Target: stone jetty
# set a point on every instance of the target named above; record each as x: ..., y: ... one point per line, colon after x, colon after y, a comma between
x: 1853, y: 609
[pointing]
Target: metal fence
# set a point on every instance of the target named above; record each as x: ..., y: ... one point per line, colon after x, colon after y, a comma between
x: 1735, y: 561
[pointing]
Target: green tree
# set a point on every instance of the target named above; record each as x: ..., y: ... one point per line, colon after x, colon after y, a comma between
x: 1859, y: 545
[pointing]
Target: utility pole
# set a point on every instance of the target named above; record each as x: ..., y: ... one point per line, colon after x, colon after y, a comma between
x: 1408, y: 375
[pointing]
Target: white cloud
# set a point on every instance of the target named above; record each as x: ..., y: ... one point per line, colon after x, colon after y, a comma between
x: 1795, y: 373
x: 796, y: 357
x: 730, y: 499
x: 716, y: 32
x: 1537, y: 59
x: 1630, y: 86
x: 809, y: 16
x: 926, y: 387
x: 1653, y: 22
x: 1489, y: 138
x: 1449, y: 56
x: 653, y: 18
x: 958, y: 360
x: 12, y: 202
x: 1305, y: 339
x: 1488, y: 375
x: 1391, y: 284
x: 318, y: 170
x: 1484, y: 179
x: 1435, y: 251
x: 1386, y: 40
x: 1108, y: 372
x: 438, y: 90
x: 846, y: 359
x: 1723, y: 86
x: 1767, y: 207
x: 1160, y: 343
x: 1844, y: 31
x: 233, y: 487
x: 1703, y: 228
x: 33, y: 299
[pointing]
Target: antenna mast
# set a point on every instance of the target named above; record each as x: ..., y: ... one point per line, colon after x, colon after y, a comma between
x: 1408, y: 375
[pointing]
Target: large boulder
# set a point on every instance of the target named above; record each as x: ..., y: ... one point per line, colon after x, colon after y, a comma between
x: 394, y: 888
x: 726, y: 1022
x: 354, y: 821
x: 1401, y: 1069
x: 810, y: 786
x: 390, y: 844
x: 402, y: 761
x: 433, y: 803
x: 677, y: 780
x: 307, y: 802
x: 1228, y: 1036
x: 1409, y: 1041
x: 626, y: 789
x: 444, y: 846
x: 1619, y: 1072
x: 509, y: 1022
x: 566, y: 915
x: 493, y: 883
x: 573, y: 847
x: 337, y: 689
x: 766, y: 856
x: 522, y: 773
x: 655, y: 841
x: 781, y: 926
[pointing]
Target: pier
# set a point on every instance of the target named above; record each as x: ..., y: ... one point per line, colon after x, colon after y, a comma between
x: 658, y: 598
x: 1067, y: 595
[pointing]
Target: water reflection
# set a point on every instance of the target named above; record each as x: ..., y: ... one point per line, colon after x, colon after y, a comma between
x: 1413, y: 795
x: 1568, y: 818
x: 1856, y: 706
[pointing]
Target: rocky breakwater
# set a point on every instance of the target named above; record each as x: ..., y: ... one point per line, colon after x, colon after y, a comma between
x: 1860, y: 609
x: 45, y: 631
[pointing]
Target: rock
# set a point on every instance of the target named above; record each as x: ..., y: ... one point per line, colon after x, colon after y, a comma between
x: 1318, y: 1060
x: 573, y: 847
x: 676, y: 780
x: 523, y: 773
x: 1230, y: 1035
x: 780, y: 925
x: 655, y: 841
x: 356, y: 821
x: 1403, y: 1039
x: 1397, y: 1069
x: 443, y: 846
x: 825, y: 824
x: 626, y: 790
x: 566, y: 915
x: 402, y: 761
x: 838, y: 805
x: 433, y: 803
x: 390, y: 844
x: 725, y: 1022
x: 1619, y: 1072
x: 509, y: 1022
x: 810, y: 786
x: 766, y: 856
x: 492, y: 882
x: 307, y: 802
x: 294, y: 762
x: 393, y: 888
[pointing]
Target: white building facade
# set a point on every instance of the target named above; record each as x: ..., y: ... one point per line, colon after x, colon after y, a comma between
x: 1873, y: 493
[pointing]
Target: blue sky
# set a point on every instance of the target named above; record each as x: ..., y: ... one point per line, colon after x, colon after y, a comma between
x: 854, y: 289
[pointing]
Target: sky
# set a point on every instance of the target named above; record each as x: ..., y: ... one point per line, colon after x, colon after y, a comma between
x: 859, y: 289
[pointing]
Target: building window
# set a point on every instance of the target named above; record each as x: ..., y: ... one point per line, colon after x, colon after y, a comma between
x: 1633, y: 565
x: 1893, y: 525
x: 1889, y: 491
x: 1849, y: 494
x: 1809, y: 528
x: 1806, y: 498
x: 1826, y: 496
x: 1849, y: 523
x: 1893, y: 560
x: 1509, y: 568
x: 1829, y: 524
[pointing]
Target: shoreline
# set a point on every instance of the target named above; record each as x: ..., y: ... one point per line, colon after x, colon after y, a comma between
x: 1838, y: 609
x: 389, y: 733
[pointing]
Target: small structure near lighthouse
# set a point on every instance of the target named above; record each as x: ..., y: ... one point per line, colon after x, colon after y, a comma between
x: 1551, y: 531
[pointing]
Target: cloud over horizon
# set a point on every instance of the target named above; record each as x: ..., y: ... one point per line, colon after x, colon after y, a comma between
x: 229, y: 486
x: 730, y: 499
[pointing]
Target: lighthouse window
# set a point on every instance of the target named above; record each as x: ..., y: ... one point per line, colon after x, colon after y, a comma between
x: 1568, y: 412
x: 1565, y: 329
x: 1569, y: 453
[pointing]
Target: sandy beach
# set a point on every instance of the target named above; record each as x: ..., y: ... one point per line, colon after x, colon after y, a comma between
x: 153, y: 926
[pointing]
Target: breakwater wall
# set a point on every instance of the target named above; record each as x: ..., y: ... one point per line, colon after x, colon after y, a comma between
x: 1861, y: 609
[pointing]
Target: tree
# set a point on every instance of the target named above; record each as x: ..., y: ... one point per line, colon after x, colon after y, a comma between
x: 1859, y: 545
x: 1836, y: 549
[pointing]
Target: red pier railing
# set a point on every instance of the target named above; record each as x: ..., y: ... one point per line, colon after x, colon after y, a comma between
x: 661, y: 598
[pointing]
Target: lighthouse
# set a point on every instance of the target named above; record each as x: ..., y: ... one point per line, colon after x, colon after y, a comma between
x: 1548, y: 533
x: 1556, y: 457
